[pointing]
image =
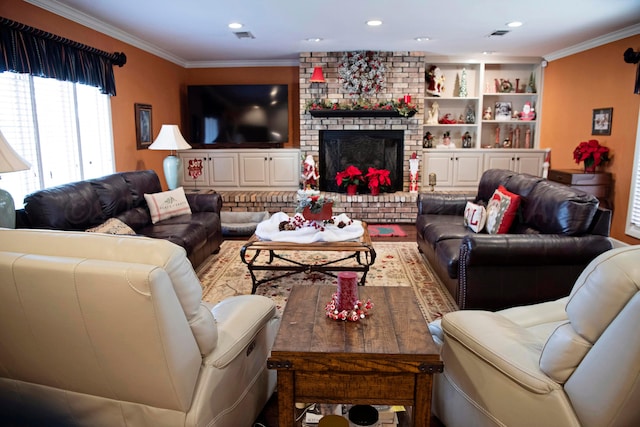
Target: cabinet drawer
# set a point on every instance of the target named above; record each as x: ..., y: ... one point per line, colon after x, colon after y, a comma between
x: 579, y: 178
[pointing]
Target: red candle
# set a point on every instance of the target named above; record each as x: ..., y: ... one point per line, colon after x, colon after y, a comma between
x: 347, y: 290
x: 407, y: 99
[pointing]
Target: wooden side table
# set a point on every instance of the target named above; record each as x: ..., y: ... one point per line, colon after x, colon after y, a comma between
x: 597, y: 183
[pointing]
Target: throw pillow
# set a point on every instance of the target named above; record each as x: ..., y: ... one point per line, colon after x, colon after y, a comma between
x: 475, y: 217
x: 112, y: 226
x: 501, y: 210
x: 167, y: 204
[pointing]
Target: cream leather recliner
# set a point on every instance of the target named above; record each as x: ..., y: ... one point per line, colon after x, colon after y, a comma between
x: 570, y: 362
x: 104, y: 330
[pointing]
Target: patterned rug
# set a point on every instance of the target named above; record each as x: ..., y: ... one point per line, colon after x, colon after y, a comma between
x: 397, y: 264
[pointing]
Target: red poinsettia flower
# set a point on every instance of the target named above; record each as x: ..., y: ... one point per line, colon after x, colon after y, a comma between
x: 350, y: 176
x: 377, y: 177
x: 591, y: 153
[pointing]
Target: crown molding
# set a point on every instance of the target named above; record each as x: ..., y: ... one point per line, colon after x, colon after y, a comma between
x: 244, y: 63
x: 88, y: 21
x: 598, y: 41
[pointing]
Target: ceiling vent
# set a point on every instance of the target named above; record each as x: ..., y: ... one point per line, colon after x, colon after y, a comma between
x: 244, y: 35
x: 499, y: 33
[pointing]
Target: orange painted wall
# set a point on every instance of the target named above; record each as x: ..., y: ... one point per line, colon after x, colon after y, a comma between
x: 145, y: 78
x: 576, y: 85
x: 255, y: 75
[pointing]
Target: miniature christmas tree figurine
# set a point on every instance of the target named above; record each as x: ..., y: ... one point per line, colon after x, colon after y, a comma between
x: 463, y: 84
x: 531, y: 87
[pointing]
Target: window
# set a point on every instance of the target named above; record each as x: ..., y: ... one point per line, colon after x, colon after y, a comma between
x: 63, y: 129
x: 633, y: 215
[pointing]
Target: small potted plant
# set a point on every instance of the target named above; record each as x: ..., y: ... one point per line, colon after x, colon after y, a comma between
x: 592, y: 154
x: 377, y: 179
x: 315, y: 208
x: 350, y: 178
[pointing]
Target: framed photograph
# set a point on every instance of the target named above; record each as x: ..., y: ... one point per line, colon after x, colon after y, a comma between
x: 602, y: 121
x: 143, y: 126
x: 503, y: 111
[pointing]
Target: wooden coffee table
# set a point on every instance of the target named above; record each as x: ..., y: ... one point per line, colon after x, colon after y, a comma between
x: 387, y: 358
x: 361, y: 252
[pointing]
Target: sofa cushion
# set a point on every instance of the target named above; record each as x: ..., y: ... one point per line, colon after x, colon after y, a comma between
x: 448, y: 254
x: 141, y: 183
x: 443, y: 227
x: 189, y: 236
x: 475, y: 217
x: 114, y: 194
x: 501, y: 211
x: 167, y: 204
x: 554, y: 208
x: 489, y: 181
x: 112, y: 226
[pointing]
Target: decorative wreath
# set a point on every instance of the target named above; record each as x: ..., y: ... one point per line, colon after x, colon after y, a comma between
x: 361, y: 73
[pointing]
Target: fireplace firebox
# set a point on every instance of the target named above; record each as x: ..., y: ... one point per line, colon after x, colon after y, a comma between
x: 380, y: 149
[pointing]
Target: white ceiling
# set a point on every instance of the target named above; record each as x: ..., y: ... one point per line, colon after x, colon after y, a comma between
x: 195, y: 33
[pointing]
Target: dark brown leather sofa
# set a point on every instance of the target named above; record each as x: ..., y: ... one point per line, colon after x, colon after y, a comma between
x: 82, y: 205
x: 557, y: 232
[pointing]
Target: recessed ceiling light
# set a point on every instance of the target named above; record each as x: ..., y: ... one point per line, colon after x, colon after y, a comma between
x: 514, y: 24
x: 487, y: 52
x: 314, y: 39
x: 235, y: 25
x: 374, y: 22
x: 422, y: 39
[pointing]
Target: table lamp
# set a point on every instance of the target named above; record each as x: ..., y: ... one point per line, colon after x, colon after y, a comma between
x: 10, y: 161
x: 171, y: 139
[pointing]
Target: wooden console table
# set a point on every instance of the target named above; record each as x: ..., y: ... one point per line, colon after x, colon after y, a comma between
x: 387, y: 358
x: 597, y: 183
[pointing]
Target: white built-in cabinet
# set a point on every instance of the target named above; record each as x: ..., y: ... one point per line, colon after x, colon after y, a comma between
x: 461, y: 169
x: 496, y: 142
x: 278, y: 169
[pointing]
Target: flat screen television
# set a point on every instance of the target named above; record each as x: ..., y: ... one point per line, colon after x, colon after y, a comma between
x: 223, y: 116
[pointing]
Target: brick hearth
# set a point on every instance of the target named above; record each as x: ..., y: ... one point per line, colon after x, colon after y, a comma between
x: 398, y: 207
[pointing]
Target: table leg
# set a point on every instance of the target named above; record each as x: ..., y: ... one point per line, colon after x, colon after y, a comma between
x: 286, y: 405
x: 422, y: 405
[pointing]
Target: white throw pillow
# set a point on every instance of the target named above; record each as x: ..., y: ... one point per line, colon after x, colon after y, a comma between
x: 475, y: 217
x: 167, y: 204
x: 112, y: 226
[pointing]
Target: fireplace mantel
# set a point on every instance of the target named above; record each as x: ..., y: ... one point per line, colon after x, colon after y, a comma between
x: 357, y: 113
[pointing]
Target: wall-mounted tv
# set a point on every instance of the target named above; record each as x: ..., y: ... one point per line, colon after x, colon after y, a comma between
x: 238, y: 115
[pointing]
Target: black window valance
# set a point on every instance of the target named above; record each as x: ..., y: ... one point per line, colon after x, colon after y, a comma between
x: 24, y: 49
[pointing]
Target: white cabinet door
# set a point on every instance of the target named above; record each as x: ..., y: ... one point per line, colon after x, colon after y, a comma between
x: 467, y: 169
x: 224, y: 169
x: 499, y: 160
x: 521, y: 161
x: 440, y: 163
x: 530, y: 163
x: 199, y: 158
x: 284, y: 168
x: 254, y: 171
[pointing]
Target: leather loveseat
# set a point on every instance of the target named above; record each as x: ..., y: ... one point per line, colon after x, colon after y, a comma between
x: 86, y: 204
x: 558, y: 230
x: 107, y: 330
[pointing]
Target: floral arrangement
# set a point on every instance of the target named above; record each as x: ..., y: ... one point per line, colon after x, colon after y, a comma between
x: 591, y: 153
x: 360, y: 310
x: 399, y: 106
x: 378, y: 178
x: 361, y: 73
x: 350, y: 176
x: 314, y: 202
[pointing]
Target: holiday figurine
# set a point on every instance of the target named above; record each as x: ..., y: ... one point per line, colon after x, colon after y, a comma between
x: 413, y: 172
x: 310, y: 173
x: 435, y: 81
x: 463, y: 84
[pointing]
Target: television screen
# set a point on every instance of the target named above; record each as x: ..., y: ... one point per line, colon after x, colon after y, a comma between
x: 238, y: 114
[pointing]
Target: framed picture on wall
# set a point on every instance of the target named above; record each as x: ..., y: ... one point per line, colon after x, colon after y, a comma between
x: 503, y: 111
x: 601, y: 124
x: 143, y: 126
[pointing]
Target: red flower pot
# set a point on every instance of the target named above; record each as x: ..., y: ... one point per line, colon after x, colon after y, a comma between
x: 324, y: 215
x: 590, y: 169
x: 375, y: 191
x: 352, y: 189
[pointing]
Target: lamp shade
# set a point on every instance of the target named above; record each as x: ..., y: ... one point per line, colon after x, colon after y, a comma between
x: 317, y: 76
x: 169, y: 138
x: 10, y: 161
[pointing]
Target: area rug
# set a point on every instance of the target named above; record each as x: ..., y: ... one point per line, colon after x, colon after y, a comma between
x: 385, y: 230
x: 397, y: 264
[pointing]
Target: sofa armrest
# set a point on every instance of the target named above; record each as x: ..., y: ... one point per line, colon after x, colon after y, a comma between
x: 531, y: 249
x: 205, y: 202
x: 501, y: 271
x: 443, y: 203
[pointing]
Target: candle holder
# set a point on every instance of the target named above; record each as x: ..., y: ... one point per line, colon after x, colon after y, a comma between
x: 432, y: 181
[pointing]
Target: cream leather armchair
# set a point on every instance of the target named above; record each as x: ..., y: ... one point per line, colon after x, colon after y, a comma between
x: 104, y: 330
x: 571, y: 362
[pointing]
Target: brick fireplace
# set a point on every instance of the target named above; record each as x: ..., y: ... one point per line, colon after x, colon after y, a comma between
x: 404, y: 75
